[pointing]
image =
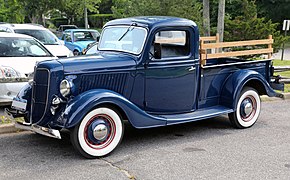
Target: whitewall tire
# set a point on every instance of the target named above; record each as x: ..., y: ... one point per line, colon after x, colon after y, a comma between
x: 99, y: 133
x: 247, y: 110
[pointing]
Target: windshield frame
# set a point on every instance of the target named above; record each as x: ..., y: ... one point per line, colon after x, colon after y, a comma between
x: 126, y: 27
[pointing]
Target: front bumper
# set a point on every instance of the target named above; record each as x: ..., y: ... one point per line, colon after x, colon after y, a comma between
x: 8, y: 91
x: 32, y: 127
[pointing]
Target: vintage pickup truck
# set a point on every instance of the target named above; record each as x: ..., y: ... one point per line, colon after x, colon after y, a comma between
x: 147, y: 71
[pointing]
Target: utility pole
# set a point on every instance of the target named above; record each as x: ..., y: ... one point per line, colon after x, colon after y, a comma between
x: 221, y: 20
x: 86, y: 15
x: 206, y: 18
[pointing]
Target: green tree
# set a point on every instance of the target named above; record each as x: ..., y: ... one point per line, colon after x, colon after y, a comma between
x: 276, y: 10
x: 36, y: 9
x: 11, y: 11
x: 249, y: 26
x: 190, y: 9
x: 74, y: 9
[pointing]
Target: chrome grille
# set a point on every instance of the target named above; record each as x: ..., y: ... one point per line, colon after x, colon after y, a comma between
x: 39, y: 94
x: 115, y: 82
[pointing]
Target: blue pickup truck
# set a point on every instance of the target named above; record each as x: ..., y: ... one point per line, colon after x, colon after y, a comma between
x: 147, y: 71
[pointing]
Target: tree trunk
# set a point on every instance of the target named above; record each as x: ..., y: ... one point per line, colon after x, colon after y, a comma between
x: 221, y: 20
x: 206, y: 18
x: 33, y: 19
x: 43, y: 20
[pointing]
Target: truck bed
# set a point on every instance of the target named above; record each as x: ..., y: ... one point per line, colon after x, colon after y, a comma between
x: 216, y: 71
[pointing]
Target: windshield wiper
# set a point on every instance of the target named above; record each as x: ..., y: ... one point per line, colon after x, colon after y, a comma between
x: 133, y: 24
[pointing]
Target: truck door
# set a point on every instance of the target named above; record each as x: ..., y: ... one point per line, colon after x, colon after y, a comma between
x: 171, y: 76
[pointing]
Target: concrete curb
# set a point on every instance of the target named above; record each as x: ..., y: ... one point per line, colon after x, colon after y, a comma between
x: 10, y: 128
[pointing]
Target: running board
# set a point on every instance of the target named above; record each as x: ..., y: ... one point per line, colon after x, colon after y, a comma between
x: 197, y: 115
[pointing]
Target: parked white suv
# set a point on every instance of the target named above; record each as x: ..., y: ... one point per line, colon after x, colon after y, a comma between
x: 18, y: 55
x: 50, y: 41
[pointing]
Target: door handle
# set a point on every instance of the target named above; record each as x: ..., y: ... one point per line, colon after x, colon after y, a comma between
x: 191, y: 68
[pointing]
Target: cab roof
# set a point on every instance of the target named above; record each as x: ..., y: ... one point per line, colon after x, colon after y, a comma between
x: 152, y: 21
x: 23, y: 26
x: 75, y: 30
x: 15, y: 35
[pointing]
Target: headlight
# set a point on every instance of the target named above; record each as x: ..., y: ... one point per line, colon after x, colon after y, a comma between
x: 65, y: 88
x: 9, y: 72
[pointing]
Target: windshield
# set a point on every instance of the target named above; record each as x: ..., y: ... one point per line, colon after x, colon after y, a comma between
x: 123, y: 38
x: 85, y: 35
x: 44, y: 36
x: 21, y: 47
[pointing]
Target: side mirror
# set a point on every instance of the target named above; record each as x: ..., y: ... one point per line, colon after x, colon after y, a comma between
x: 157, y: 50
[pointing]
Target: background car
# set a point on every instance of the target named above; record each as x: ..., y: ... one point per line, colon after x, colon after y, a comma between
x: 50, y: 41
x: 18, y: 55
x: 77, y: 40
x: 62, y: 28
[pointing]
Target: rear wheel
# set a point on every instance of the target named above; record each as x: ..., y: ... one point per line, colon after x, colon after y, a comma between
x: 248, y: 109
x: 99, y: 133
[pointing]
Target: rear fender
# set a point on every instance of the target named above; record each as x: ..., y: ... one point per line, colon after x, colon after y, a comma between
x: 238, y: 80
x: 82, y: 104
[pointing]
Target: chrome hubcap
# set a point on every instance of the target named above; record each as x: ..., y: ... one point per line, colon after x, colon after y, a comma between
x: 100, y: 132
x: 248, y: 108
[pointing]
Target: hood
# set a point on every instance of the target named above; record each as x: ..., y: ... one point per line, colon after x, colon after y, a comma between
x: 59, y: 50
x: 24, y: 65
x: 104, y: 61
x: 83, y: 44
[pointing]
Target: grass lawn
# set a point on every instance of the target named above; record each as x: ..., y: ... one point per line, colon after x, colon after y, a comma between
x: 278, y: 62
x: 287, y: 44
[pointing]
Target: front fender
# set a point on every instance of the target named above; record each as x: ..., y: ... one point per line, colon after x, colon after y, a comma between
x: 78, y: 107
x: 79, y: 49
x: 238, y: 80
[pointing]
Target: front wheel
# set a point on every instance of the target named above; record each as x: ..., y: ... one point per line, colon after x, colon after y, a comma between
x: 248, y: 109
x: 76, y: 52
x: 99, y: 133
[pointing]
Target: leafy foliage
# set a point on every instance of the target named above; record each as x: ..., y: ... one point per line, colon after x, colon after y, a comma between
x: 277, y: 10
x: 75, y: 8
x: 190, y: 9
x: 11, y: 11
x: 248, y: 26
x: 35, y: 9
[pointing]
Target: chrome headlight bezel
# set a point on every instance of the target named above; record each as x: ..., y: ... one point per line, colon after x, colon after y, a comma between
x: 65, y: 88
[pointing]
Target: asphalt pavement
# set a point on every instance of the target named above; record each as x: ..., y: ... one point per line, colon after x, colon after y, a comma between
x: 209, y: 149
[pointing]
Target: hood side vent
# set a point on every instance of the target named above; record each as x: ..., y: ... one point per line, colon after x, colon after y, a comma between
x: 115, y: 82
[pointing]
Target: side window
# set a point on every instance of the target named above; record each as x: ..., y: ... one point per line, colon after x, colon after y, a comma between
x: 171, y: 44
x: 68, y: 37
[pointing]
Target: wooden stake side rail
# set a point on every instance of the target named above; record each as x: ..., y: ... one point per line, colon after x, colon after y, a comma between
x: 239, y: 53
x: 206, y: 44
